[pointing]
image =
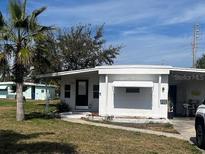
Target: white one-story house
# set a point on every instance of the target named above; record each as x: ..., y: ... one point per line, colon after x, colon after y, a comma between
x: 133, y: 90
x: 31, y: 91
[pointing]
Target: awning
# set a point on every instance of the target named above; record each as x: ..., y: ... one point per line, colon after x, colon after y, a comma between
x: 132, y: 84
x: 3, y: 87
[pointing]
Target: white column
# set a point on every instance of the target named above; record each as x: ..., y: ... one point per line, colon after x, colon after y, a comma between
x: 159, y: 89
x: 106, y: 96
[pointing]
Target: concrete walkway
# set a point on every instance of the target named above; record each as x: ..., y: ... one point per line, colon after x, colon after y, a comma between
x: 185, y: 126
x: 80, y: 121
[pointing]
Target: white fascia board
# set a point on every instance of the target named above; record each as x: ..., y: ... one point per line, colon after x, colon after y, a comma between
x: 134, y: 71
x: 67, y: 73
x: 3, y: 87
x: 7, y: 83
x: 26, y: 84
x: 134, y: 66
x: 133, y: 84
x: 194, y: 70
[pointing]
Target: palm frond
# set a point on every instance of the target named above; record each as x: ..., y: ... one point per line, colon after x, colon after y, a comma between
x: 1, y: 20
x: 33, y: 18
x: 24, y: 9
x: 24, y: 56
x: 15, y: 10
x: 2, y: 56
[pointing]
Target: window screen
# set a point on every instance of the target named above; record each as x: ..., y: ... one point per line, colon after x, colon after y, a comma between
x: 132, y: 90
x: 95, y: 91
x: 67, y: 91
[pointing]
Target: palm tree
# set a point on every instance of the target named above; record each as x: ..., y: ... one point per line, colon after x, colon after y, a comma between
x: 18, y: 35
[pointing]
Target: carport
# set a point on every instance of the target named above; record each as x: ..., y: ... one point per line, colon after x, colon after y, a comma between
x: 186, y: 90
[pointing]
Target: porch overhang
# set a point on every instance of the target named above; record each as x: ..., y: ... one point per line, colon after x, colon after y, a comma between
x: 72, y: 72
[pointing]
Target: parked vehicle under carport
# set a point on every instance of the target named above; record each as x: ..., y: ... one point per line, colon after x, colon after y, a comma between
x: 200, y: 126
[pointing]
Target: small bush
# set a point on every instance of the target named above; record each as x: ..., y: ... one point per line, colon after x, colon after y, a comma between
x: 63, y: 107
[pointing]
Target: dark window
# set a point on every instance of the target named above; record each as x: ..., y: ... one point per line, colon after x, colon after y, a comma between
x: 132, y: 90
x: 3, y: 90
x: 67, y: 91
x: 95, y: 91
x: 42, y: 91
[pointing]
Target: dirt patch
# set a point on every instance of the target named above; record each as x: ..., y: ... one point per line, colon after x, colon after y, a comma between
x: 3, y: 108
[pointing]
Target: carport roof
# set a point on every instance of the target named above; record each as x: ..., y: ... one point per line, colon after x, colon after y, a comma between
x: 194, y: 70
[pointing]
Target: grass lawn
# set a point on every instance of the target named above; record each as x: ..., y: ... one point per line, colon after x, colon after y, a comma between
x: 39, y: 133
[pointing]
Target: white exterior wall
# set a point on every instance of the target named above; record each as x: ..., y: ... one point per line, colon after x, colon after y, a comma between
x: 150, y: 96
x: 93, y: 79
x: 27, y: 93
x: 3, y: 94
x: 38, y: 93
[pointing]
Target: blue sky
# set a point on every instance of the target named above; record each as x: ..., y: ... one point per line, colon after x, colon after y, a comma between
x: 151, y: 31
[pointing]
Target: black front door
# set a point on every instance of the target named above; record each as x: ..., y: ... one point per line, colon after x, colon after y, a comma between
x: 81, y: 93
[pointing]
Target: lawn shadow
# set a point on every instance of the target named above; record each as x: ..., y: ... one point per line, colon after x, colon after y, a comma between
x: 39, y: 115
x: 10, y: 143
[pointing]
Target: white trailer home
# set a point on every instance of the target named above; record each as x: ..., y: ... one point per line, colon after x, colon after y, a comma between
x: 31, y: 91
x: 132, y: 90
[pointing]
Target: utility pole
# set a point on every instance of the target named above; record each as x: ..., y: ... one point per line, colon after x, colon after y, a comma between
x: 195, y: 44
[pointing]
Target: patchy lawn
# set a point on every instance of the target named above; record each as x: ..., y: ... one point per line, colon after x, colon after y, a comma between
x: 40, y: 133
x: 162, y: 127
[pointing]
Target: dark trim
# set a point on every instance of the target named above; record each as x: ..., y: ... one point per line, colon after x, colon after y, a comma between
x: 76, y: 92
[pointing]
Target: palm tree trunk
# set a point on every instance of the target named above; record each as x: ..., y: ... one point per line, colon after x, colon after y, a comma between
x: 19, y: 100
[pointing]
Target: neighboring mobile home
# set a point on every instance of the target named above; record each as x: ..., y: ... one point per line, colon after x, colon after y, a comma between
x: 31, y: 91
x: 133, y: 90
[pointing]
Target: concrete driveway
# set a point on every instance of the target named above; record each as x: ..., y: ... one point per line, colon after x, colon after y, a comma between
x: 185, y: 126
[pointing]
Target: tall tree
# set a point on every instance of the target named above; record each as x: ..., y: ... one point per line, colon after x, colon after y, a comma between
x: 46, y: 58
x: 201, y: 62
x: 18, y: 34
x: 83, y: 47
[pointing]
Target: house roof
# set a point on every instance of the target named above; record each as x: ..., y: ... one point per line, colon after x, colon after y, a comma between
x: 67, y: 73
x: 125, y: 69
x: 134, y: 66
x: 180, y: 69
x: 25, y: 83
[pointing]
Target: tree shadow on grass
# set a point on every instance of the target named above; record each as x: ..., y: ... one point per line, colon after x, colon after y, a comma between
x: 39, y: 115
x: 9, y: 143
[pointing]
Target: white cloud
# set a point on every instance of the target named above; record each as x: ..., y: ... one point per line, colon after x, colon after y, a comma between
x: 191, y: 14
x: 156, y: 49
x: 135, y: 22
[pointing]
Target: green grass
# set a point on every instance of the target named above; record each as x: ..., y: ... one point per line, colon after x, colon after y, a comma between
x: 44, y: 134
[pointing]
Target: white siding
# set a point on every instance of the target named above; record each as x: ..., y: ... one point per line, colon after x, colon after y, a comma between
x: 27, y: 93
x: 149, y: 96
x: 3, y: 93
x: 92, y: 78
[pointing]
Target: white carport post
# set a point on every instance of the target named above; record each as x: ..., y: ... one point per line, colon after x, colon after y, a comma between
x: 159, y: 90
x: 106, y: 96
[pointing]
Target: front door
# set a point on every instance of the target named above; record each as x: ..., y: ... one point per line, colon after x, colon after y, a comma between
x: 82, y: 94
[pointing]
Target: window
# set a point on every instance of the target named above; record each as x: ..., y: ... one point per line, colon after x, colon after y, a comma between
x: 67, y: 91
x: 42, y: 91
x: 95, y: 91
x: 132, y: 90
